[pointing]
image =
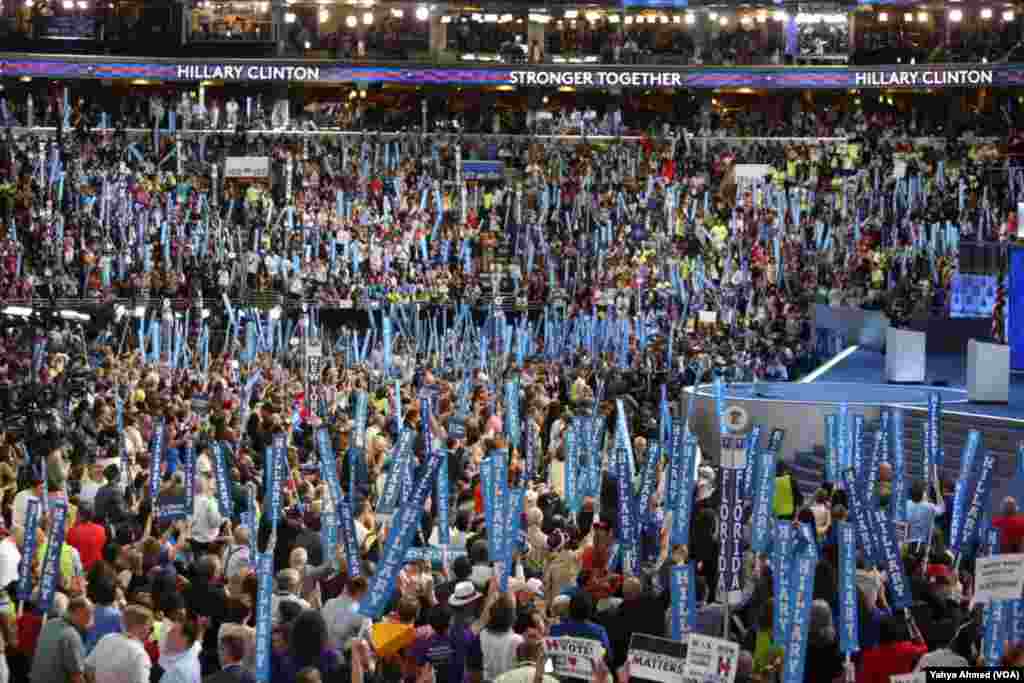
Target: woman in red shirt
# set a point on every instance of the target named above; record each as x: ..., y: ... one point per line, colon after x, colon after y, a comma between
x: 895, y: 654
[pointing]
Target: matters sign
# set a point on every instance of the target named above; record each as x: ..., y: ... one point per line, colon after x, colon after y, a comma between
x: 247, y: 167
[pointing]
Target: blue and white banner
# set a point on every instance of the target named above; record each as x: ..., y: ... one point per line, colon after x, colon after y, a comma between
x: 513, y: 522
x: 38, y: 356
x: 934, y: 445
x: 573, y: 500
x: 831, y: 448
x: 898, y: 499
x: 684, y: 494
x: 627, y: 531
x: 849, y: 603
x: 500, y: 497
x: 683, y: 589
x: 782, y: 562
x: 390, y: 497
x: 858, y: 446
x: 529, y: 449
x: 899, y: 589
x: 751, y: 462
x: 346, y: 522
x: 719, y: 388
x: 329, y: 465
x: 649, y: 478
x: 221, y: 472
x: 862, y: 521
x: 622, y: 438
x: 444, y: 530
x: 675, y: 461
x: 386, y: 324
x: 843, y: 438
x: 50, y: 572
x: 730, y: 554
x: 512, y: 412
x: 436, y: 556
x: 764, y: 498
x: 264, y: 621
x: 155, y: 456
x: 979, y: 507
x: 998, y: 616
x: 801, y: 590
x: 400, y: 537
x: 251, y: 520
x: 961, y: 488
x: 487, y: 484
x: 597, y: 432
x: 870, y: 473
x: 359, y: 420
x: 190, y: 480
x: 329, y: 533
x: 28, y: 551
x: 274, y: 456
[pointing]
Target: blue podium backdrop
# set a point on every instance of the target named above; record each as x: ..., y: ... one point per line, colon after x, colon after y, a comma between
x: 1015, y: 317
x: 972, y: 296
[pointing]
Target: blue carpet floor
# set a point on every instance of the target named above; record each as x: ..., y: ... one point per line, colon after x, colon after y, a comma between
x: 868, y: 367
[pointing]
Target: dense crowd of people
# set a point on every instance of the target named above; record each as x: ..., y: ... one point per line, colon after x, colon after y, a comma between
x: 444, y: 495
x: 375, y: 218
x: 419, y: 521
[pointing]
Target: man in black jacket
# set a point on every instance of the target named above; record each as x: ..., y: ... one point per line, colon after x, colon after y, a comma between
x: 109, y: 505
x: 207, y: 598
x: 639, y: 612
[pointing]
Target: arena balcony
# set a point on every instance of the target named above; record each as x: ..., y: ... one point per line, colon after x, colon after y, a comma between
x: 366, y: 32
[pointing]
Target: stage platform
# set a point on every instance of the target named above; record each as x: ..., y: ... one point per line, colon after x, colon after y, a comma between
x: 942, y: 369
x: 857, y: 376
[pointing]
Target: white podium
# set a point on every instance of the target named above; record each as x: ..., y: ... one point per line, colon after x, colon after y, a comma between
x: 904, y: 356
x: 988, y: 372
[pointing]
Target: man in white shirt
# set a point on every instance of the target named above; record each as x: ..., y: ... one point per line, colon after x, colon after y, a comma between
x: 342, y: 617
x: 121, y: 657
x: 237, y: 558
x: 10, y: 556
x: 92, y: 484
x: 288, y: 581
x: 206, y: 519
x: 23, y: 497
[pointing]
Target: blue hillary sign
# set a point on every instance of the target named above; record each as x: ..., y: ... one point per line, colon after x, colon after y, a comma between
x: 265, y: 589
x: 849, y: 641
x: 683, y: 590
x: 50, y: 578
x: 28, y: 552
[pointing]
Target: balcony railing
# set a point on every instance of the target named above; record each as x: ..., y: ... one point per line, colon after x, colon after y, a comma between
x: 698, y: 37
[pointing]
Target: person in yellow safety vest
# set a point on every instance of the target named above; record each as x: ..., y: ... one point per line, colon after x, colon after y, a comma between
x: 787, y: 498
x: 72, y: 575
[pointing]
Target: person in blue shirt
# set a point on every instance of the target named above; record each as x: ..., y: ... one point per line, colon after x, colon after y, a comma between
x: 921, y: 514
x: 107, y: 615
x: 579, y: 624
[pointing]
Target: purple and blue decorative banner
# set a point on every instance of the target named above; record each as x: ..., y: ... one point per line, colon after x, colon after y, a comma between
x: 547, y: 76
